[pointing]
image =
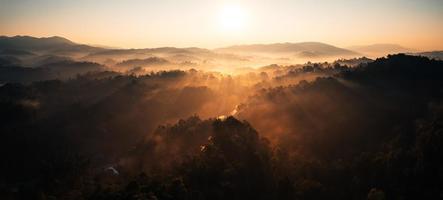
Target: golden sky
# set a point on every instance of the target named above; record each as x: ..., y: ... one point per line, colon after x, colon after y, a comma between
x: 416, y: 24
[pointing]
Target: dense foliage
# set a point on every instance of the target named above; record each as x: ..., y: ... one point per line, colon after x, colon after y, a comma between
x: 374, y: 131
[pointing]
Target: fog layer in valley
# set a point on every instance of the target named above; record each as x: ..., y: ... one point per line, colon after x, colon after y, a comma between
x: 242, y: 122
x: 27, y: 59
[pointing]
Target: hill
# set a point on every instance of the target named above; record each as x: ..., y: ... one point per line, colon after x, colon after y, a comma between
x: 377, y: 50
x: 53, y: 44
x: 151, y: 61
x: 373, y: 131
x: 431, y: 54
x: 303, y: 49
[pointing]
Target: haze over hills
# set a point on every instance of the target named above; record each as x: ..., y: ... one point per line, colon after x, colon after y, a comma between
x: 303, y: 49
x: 431, y: 54
x: 27, y: 45
x: 28, y: 42
x: 377, y: 50
x: 27, y: 51
x: 46, y: 45
x: 310, y: 131
x: 221, y: 100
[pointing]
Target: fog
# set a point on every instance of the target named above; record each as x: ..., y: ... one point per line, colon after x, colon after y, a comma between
x: 209, y: 124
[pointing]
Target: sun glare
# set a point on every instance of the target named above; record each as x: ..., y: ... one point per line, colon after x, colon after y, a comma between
x: 232, y: 18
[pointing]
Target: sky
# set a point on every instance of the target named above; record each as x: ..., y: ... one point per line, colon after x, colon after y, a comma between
x: 416, y: 24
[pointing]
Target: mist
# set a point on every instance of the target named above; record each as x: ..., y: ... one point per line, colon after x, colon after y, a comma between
x: 281, y: 121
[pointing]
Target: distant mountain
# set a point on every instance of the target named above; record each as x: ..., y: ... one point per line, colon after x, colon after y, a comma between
x: 304, y: 49
x: 46, y: 45
x: 431, y: 54
x: 136, y: 57
x: 378, y: 50
x: 161, y: 50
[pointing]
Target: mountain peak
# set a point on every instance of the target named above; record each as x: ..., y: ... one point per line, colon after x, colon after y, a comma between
x: 31, y: 38
x: 58, y: 39
x: 40, y: 44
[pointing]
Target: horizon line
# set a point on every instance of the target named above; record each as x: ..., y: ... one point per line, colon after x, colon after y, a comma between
x: 214, y: 48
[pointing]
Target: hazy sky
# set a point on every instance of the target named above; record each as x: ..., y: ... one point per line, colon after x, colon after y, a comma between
x: 415, y: 24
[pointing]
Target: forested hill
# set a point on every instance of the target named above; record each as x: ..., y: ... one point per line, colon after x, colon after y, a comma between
x: 374, y: 131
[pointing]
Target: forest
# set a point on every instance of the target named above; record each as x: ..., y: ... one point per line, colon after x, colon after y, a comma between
x: 343, y: 130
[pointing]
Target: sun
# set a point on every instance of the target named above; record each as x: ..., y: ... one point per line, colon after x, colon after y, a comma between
x: 232, y: 18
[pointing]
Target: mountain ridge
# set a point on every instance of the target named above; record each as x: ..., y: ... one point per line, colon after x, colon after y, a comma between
x: 22, y: 45
x: 43, y: 44
x: 300, y: 48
